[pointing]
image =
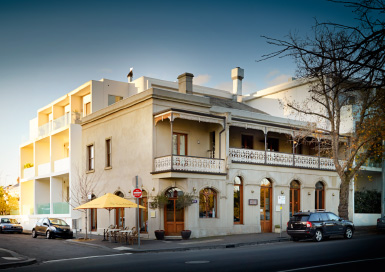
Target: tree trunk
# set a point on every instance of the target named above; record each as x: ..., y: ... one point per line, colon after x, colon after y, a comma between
x: 343, y: 207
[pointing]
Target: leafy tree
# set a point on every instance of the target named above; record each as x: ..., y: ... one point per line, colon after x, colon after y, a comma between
x: 8, y: 202
x: 343, y: 65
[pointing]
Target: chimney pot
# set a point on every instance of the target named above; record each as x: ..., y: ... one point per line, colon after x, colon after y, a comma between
x: 185, y: 82
x: 237, y: 74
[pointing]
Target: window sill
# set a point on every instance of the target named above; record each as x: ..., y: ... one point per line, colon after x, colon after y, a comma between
x: 107, y: 167
x: 90, y: 171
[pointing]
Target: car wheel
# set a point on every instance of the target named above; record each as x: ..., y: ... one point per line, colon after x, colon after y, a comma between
x: 348, y: 233
x: 34, y: 235
x: 318, y: 236
x: 48, y: 234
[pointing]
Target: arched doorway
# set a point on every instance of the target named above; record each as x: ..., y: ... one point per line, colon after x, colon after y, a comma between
x: 173, y: 217
x: 294, y: 197
x: 238, y: 201
x: 265, y: 207
x: 119, y: 213
x: 319, y: 196
x: 143, y: 213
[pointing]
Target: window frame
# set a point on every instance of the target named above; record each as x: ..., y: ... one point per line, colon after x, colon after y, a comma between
x: 89, y: 159
x: 178, y: 134
x: 108, y: 145
x: 215, y: 203
x: 240, y: 186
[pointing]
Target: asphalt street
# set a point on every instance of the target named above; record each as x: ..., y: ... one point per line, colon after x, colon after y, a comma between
x: 336, y: 254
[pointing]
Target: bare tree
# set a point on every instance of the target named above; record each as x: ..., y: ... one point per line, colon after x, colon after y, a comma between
x: 344, y: 67
x: 82, y: 189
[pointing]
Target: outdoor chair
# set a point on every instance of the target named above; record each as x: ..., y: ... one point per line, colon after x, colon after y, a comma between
x: 133, y: 237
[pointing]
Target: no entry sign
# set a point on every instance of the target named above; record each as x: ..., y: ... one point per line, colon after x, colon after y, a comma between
x: 137, y: 193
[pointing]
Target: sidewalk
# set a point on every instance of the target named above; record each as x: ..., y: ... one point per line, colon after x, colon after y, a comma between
x: 170, y: 244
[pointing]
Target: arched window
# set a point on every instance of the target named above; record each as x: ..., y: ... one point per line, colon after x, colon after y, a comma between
x: 265, y: 205
x: 319, y: 196
x: 143, y: 213
x: 93, y: 217
x: 294, y: 197
x: 238, y: 201
x: 208, y: 203
x: 119, y: 213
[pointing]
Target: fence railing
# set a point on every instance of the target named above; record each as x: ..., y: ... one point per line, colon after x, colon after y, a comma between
x: 190, y: 164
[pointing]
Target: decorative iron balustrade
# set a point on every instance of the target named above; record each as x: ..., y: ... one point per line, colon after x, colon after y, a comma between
x: 284, y: 159
x: 189, y: 164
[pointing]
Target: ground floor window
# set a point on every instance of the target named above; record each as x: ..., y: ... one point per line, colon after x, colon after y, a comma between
x: 319, y: 196
x: 208, y: 203
x: 94, y: 220
x: 238, y: 201
x: 143, y: 213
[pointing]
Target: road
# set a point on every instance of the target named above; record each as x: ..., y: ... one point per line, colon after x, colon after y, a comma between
x: 358, y: 254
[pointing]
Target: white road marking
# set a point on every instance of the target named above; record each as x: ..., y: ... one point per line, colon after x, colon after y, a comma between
x: 122, y: 248
x: 11, y: 258
x: 89, y: 257
x: 332, y: 264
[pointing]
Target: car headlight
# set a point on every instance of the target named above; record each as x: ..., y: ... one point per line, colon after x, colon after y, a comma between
x: 53, y: 228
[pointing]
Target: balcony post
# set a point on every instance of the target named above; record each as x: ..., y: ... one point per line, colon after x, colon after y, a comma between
x: 292, y: 137
x: 319, y: 153
x: 265, y: 132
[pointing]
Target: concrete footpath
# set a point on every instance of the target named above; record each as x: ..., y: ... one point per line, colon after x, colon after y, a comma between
x: 170, y: 244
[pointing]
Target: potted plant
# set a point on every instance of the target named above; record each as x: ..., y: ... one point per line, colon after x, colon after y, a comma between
x: 28, y: 165
x: 184, y: 200
x: 185, y: 234
x: 159, y: 234
x: 277, y: 229
x: 159, y: 201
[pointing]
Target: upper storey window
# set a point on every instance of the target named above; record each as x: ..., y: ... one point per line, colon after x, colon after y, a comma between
x: 113, y: 99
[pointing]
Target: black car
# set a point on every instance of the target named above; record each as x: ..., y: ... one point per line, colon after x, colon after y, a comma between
x: 318, y: 225
x: 51, y: 228
x: 10, y: 225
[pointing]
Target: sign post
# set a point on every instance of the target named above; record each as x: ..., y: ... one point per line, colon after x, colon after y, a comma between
x: 281, y: 200
x: 138, y: 194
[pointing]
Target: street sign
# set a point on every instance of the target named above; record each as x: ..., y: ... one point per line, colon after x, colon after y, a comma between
x: 281, y: 199
x: 137, y: 193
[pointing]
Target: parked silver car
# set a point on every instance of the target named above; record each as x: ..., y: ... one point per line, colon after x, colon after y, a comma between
x: 10, y: 225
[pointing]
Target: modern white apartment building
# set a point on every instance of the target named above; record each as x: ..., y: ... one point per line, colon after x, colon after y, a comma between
x: 49, y: 160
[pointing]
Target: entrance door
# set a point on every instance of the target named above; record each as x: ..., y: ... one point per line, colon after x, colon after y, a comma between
x: 174, y: 218
x: 265, y: 208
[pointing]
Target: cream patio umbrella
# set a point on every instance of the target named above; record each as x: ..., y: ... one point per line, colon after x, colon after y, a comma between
x: 109, y: 201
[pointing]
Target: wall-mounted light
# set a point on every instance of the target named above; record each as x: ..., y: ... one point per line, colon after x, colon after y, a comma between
x: 282, y: 192
x: 153, y: 189
x: 194, y: 189
x: 252, y: 191
x: 129, y: 191
x: 333, y: 194
x: 308, y: 193
x: 199, y: 142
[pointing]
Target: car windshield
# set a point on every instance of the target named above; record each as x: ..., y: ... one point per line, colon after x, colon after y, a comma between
x: 56, y: 221
x: 5, y: 220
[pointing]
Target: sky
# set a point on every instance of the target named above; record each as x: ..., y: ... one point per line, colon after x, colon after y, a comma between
x: 49, y: 48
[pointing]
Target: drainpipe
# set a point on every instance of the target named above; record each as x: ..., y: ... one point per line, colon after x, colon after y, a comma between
x: 220, y: 142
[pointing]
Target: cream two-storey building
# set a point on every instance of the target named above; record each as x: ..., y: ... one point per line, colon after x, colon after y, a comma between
x: 238, y: 161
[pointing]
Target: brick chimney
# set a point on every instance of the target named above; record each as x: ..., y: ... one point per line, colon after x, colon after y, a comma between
x: 185, y: 82
x: 237, y: 74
